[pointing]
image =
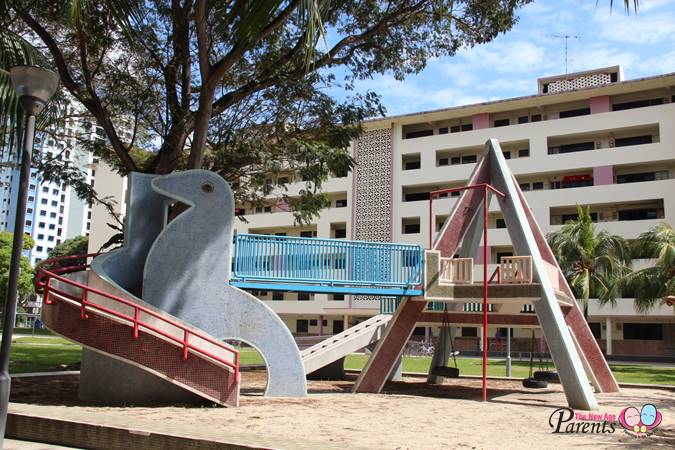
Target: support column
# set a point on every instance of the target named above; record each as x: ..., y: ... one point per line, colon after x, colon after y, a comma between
x: 321, y: 325
x: 508, y: 351
x: 345, y: 322
x: 480, y: 340
x: 608, y: 336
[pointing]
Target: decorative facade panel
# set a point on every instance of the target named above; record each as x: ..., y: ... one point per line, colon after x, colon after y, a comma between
x: 373, y: 196
x: 373, y: 205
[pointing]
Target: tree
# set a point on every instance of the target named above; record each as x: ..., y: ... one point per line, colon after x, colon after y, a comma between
x: 239, y: 87
x: 78, y: 245
x: 651, y: 284
x: 592, y: 261
x: 26, y: 276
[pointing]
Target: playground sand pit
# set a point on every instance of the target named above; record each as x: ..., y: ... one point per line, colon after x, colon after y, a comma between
x: 409, y: 415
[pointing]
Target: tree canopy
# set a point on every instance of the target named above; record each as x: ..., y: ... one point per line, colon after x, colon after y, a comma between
x: 594, y: 262
x: 240, y: 87
x: 651, y: 284
x: 26, y: 275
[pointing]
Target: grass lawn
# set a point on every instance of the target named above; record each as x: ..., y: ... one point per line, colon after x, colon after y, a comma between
x: 29, y: 356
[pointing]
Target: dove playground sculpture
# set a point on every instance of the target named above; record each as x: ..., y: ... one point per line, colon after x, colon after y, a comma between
x: 183, y: 268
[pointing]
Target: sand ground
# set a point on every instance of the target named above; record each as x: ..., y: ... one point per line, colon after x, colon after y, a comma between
x: 408, y: 415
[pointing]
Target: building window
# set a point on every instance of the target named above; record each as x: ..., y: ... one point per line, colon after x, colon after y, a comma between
x: 595, y: 329
x: 537, y: 186
x: 340, y: 233
x: 411, y: 226
x: 638, y: 214
x: 412, y: 165
x: 341, y: 203
x: 40, y: 236
x: 308, y: 234
x: 276, y: 295
x: 634, y: 140
x: 575, y: 113
x: 52, y: 226
x: 535, y: 118
x: 443, y: 130
x: 443, y: 161
x: 455, y: 160
x: 502, y: 123
x: 524, y: 186
x: 469, y: 159
x: 303, y: 296
x: 416, y: 196
x: 522, y: 153
x: 301, y: 326
x: 501, y: 223
x: 43, y: 201
x: 31, y: 198
x: 643, y: 331
x: 29, y: 223
x: 38, y: 249
x: 338, y: 297
x: 467, y: 127
x: 469, y: 332
x: 637, y: 104
x: 523, y: 119
x: 281, y: 233
x: 313, y: 322
x: 43, y: 212
x: 41, y: 224
x: 507, y: 155
x: 45, y: 189
x: 417, y: 134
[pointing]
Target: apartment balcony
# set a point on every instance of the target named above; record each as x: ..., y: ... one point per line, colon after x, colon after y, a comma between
x: 625, y: 309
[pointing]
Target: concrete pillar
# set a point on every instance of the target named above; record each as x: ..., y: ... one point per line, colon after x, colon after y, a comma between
x: 345, y: 322
x: 608, y: 336
x: 427, y: 333
x: 321, y: 325
x: 397, y: 371
x: 508, y: 351
x: 480, y: 341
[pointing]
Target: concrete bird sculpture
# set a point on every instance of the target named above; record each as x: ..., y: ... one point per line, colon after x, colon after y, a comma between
x: 187, y: 270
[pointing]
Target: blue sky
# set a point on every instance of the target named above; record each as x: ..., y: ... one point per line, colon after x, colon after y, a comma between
x: 643, y: 44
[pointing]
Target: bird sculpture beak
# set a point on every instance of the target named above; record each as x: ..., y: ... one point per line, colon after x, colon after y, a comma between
x: 169, y: 186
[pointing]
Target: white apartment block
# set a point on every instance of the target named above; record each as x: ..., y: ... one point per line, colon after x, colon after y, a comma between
x: 54, y: 213
x: 589, y: 138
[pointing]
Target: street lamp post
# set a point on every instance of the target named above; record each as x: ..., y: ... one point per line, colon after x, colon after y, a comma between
x: 34, y: 87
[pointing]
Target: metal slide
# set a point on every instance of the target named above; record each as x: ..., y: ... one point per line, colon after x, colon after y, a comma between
x: 342, y: 344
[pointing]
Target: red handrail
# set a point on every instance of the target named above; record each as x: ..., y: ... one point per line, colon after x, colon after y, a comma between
x: 43, y: 282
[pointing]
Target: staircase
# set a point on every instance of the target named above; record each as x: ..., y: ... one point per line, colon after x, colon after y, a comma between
x: 138, y: 334
x: 341, y: 345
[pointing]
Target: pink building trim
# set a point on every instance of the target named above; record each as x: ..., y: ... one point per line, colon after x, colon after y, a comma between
x: 603, y: 175
x: 600, y: 104
x: 481, y: 121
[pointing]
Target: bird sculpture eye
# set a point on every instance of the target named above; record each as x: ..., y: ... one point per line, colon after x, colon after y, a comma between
x: 207, y: 187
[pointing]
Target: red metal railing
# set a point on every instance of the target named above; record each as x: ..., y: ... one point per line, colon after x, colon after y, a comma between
x: 43, y: 284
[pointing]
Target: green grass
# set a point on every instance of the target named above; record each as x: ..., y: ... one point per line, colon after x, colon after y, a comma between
x: 624, y: 373
x: 42, y: 340
x: 27, y: 358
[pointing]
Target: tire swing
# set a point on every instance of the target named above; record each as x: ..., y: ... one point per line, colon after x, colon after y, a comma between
x: 531, y: 382
x: 443, y: 337
x: 544, y: 373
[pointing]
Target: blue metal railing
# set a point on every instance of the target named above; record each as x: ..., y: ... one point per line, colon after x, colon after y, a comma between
x: 326, y: 261
x: 389, y: 305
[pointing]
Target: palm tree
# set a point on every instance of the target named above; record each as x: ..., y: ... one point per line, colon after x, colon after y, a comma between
x: 594, y: 262
x: 657, y: 282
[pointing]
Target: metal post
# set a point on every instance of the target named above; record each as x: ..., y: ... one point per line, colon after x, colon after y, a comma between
x: 14, y: 271
x: 485, y: 290
x: 508, y: 351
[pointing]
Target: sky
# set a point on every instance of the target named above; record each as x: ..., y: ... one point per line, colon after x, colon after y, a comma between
x: 643, y: 44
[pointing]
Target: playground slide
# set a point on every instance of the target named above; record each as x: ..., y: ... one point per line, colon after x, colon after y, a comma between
x: 105, y: 320
x: 342, y: 344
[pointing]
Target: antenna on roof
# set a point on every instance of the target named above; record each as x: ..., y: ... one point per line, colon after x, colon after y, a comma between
x: 566, y: 37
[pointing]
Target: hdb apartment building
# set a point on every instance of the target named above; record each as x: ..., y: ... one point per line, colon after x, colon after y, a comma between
x: 589, y: 138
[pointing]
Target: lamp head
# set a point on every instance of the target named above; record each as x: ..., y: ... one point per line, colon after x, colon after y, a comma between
x: 34, y: 86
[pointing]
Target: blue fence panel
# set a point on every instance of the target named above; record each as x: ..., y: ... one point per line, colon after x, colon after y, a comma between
x: 326, y: 261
